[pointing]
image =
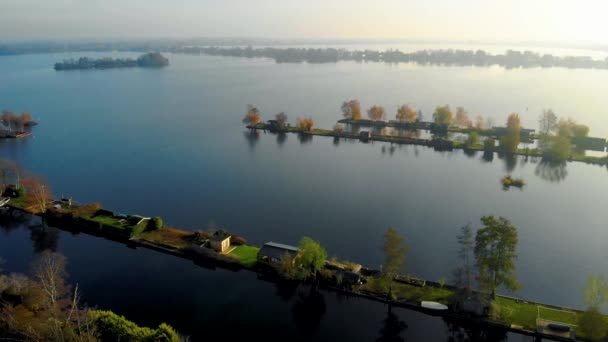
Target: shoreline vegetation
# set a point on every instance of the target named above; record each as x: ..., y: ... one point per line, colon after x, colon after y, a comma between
x: 447, y: 57
x: 510, y: 59
x: 557, y: 141
x: 486, y: 310
x: 148, y: 60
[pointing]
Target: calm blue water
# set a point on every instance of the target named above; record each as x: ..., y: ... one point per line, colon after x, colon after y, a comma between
x: 171, y: 142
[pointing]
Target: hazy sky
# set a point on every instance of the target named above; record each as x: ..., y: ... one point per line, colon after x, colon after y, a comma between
x: 579, y: 21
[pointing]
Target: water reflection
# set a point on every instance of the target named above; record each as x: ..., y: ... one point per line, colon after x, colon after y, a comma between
x: 304, y: 138
x: 487, y: 156
x: 12, y: 220
x: 553, y: 172
x: 390, y: 149
x: 43, y: 238
x: 281, y: 138
x: 470, y: 153
x: 392, y: 328
x: 459, y: 332
x: 286, y: 289
x: 252, y: 136
x: 510, y: 161
x: 308, y: 310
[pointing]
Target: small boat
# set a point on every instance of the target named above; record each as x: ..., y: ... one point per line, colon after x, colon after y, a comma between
x: 433, y: 306
x: 4, y: 200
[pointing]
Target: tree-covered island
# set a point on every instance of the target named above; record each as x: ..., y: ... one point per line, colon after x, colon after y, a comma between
x: 152, y: 59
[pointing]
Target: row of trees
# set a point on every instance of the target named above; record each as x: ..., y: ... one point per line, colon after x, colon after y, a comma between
x: 253, y: 116
x: 510, y: 59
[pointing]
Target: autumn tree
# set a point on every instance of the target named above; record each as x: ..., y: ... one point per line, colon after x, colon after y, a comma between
x: 480, y: 122
x: 252, y: 117
x: 376, y: 113
x: 306, y: 124
x: 394, y: 251
x: 495, y: 246
x: 310, y: 259
x: 38, y: 193
x: 406, y: 114
x: 462, y: 118
x: 443, y: 115
x: 281, y: 119
x: 592, y: 322
x: 510, y: 142
x: 351, y: 110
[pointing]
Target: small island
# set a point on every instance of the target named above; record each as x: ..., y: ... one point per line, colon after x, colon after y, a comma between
x: 148, y: 60
x: 509, y: 181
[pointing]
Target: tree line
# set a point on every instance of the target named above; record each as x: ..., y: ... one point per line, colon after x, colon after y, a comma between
x: 448, y: 57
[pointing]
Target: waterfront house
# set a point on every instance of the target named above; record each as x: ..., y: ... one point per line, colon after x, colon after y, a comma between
x: 272, y: 252
x: 220, y: 243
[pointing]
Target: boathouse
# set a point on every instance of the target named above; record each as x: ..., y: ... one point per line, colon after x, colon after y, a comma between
x: 272, y: 252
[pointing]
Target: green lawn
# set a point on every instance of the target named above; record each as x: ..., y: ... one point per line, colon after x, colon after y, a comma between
x: 410, y: 293
x: 247, y: 255
x: 525, y: 314
x: 110, y: 221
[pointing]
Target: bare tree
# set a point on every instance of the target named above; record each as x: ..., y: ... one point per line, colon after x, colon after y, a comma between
x: 281, y: 119
x: 38, y: 193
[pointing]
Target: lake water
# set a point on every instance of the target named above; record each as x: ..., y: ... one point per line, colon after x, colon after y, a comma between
x: 171, y: 142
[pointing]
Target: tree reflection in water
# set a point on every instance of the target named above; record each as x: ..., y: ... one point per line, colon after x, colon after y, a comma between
x: 304, y: 138
x: 391, y: 329
x: 308, y: 310
x: 553, y: 172
x: 44, y: 238
x: 281, y: 138
x: 252, y: 136
x: 472, y: 333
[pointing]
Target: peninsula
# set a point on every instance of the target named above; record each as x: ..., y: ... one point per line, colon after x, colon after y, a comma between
x: 307, y: 263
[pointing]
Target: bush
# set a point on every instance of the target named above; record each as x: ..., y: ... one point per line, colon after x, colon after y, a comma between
x: 237, y: 240
x: 156, y: 223
x: 112, y: 327
x: 87, y: 210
